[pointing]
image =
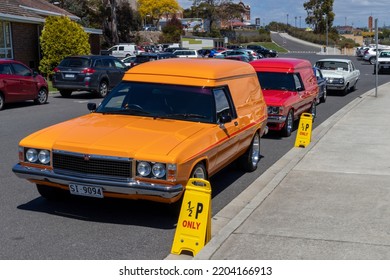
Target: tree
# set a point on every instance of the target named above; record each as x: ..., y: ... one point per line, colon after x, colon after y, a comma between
x: 157, y: 9
x: 61, y: 37
x: 319, y: 14
x: 231, y: 11
x: 172, y: 31
x: 211, y: 10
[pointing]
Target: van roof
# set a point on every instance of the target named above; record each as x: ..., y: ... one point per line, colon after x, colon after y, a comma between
x: 280, y: 64
x: 192, y: 71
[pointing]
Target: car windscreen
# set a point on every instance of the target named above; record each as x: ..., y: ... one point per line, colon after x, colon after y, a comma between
x: 76, y: 62
x: 277, y: 81
x: 332, y: 65
x: 161, y: 101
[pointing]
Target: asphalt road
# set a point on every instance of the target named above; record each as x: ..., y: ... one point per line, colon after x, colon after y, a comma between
x: 81, y: 228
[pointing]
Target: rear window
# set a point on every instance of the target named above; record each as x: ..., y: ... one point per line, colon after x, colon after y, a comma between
x: 78, y: 62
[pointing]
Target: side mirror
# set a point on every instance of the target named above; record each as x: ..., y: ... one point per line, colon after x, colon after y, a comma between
x: 91, y: 107
x: 225, y: 119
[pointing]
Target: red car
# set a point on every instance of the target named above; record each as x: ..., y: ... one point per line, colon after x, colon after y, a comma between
x: 20, y: 83
x: 289, y: 87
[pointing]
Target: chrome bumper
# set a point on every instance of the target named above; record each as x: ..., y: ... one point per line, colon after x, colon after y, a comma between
x: 276, y: 119
x: 131, y: 187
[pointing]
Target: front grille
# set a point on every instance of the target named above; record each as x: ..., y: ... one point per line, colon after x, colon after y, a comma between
x: 92, y: 164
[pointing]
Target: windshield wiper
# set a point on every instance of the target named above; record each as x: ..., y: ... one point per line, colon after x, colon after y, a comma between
x: 126, y: 111
x: 184, y: 116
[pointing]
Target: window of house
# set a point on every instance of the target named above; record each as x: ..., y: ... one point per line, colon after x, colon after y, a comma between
x: 5, y: 40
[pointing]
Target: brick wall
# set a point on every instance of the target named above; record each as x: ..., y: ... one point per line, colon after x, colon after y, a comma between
x: 25, y: 43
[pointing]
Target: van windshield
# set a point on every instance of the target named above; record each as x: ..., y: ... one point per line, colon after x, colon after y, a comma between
x: 161, y: 101
x: 277, y: 81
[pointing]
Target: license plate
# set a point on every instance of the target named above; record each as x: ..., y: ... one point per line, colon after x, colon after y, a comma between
x: 69, y: 75
x: 86, y: 190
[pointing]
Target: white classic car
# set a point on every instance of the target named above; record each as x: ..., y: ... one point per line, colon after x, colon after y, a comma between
x: 340, y: 74
x: 383, y: 62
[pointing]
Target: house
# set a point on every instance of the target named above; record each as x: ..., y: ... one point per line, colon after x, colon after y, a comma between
x: 21, y: 24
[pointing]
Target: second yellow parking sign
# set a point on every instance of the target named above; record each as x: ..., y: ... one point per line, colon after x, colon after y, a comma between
x: 304, y: 130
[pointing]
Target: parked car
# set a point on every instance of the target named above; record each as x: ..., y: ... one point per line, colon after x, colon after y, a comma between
x: 321, y: 81
x: 223, y: 54
x: 19, y: 83
x: 129, y: 61
x: 165, y: 123
x: 383, y: 62
x: 290, y: 89
x: 370, y: 53
x: 341, y: 74
x: 121, y: 50
x: 243, y: 58
x: 146, y: 57
x: 204, y: 52
x: 186, y: 53
x: 93, y: 73
x: 263, y: 51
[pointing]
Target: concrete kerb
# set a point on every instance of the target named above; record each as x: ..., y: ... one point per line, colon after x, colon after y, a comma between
x: 230, y: 218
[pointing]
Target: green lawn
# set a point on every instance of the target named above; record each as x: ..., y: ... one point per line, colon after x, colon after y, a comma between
x: 50, y: 84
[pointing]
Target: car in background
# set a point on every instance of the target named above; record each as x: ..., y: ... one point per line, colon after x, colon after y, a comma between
x: 383, y: 62
x: 243, y: 58
x: 223, y: 54
x: 204, y: 52
x: 263, y: 51
x: 146, y: 57
x: 165, y: 123
x: 340, y: 74
x: 129, y: 61
x: 321, y: 81
x: 289, y: 88
x: 369, y: 54
x: 186, y: 53
x: 20, y: 83
x: 93, y: 73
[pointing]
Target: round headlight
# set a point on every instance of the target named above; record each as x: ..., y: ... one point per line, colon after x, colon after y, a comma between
x: 32, y: 155
x: 144, y: 168
x: 44, y: 156
x: 159, y: 170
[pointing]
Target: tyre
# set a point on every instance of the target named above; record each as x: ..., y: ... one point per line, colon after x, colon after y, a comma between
x: 65, y: 92
x: 346, y: 90
x: 2, y: 101
x: 51, y: 193
x: 313, y: 110
x: 199, y: 171
x: 324, y: 96
x: 288, y: 124
x: 372, y: 60
x: 103, y: 89
x: 42, y: 97
x: 249, y: 161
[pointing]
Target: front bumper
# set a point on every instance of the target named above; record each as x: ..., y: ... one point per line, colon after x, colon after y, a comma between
x: 131, y: 187
x: 330, y: 86
x: 276, y: 119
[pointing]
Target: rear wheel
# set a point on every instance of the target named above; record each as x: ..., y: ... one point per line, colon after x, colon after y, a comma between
x: 324, y: 96
x: 313, y: 110
x: 372, y: 60
x: 51, y: 193
x: 251, y: 158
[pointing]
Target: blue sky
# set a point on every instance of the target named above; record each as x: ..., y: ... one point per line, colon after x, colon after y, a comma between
x: 352, y: 12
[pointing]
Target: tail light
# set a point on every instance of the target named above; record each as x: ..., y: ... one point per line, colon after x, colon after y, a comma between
x: 88, y: 71
x: 56, y: 70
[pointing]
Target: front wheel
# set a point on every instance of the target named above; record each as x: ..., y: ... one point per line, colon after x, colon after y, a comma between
x: 288, y: 124
x: 199, y: 172
x: 42, y: 97
x: 103, y: 89
x: 249, y: 161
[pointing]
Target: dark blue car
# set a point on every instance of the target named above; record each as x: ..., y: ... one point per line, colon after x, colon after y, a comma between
x: 321, y: 81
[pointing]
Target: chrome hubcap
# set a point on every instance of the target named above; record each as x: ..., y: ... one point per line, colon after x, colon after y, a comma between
x: 255, y: 150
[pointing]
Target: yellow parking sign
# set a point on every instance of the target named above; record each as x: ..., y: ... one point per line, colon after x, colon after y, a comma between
x: 304, y: 130
x: 193, y: 229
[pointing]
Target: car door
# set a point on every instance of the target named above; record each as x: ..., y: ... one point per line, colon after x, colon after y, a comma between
x: 303, y: 102
x: 27, y: 88
x: 9, y: 83
x: 116, y: 70
x: 227, y: 133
